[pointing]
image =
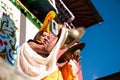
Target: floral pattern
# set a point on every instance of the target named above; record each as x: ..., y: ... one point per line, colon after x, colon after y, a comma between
x: 7, y: 33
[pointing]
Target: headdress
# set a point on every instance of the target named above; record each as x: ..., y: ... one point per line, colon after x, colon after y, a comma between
x: 46, y: 24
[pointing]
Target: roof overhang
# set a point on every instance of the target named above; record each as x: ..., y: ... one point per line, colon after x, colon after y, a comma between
x: 84, y: 11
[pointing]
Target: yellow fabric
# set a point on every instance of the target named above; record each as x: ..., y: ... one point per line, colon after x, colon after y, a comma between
x: 67, y: 72
x: 54, y: 76
x: 46, y: 24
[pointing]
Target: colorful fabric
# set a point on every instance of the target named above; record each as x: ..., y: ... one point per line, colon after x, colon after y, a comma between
x: 35, y: 66
x: 69, y: 71
x: 54, y: 76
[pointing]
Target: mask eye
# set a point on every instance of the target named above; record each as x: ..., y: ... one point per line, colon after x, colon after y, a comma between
x: 48, y: 37
x: 43, y: 35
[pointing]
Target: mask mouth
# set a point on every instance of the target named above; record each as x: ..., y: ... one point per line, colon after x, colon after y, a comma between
x: 45, y: 42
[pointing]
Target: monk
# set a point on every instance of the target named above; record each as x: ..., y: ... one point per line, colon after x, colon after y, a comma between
x: 36, y: 59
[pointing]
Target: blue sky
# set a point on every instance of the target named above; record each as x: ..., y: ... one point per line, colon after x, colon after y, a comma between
x: 101, y: 55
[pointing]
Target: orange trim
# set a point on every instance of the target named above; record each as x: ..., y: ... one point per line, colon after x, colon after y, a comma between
x: 67, y: 72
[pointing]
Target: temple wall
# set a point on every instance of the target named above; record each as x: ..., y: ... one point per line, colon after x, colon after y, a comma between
x: 15, y: 29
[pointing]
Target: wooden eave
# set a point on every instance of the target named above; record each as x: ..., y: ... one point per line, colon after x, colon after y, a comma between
x: 84, y: 11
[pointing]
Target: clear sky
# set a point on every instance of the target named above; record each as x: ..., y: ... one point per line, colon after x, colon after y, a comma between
x: 101, y: 55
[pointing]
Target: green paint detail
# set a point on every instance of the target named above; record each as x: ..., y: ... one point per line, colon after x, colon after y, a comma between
x: 4, y: 8
x: 27, y: 13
